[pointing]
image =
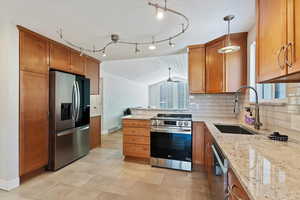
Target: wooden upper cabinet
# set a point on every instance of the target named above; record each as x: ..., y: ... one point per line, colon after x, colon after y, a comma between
x: 197, y: 69
x: 60, y: 57
x: 34, y: 52
x: 293, y: 48
x: 92, y: 72
x: 34, y: 110
x: 236, y: 64
x: 271, y: 39
x: 215, y: 68
x: 77, y: 63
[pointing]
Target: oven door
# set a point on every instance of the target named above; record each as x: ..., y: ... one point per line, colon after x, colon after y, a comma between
x: 175, y: 145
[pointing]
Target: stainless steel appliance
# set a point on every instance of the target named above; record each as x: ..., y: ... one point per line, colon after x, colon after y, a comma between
x: 69, y: 118
x: 171, y: 141
x: 219, y: 174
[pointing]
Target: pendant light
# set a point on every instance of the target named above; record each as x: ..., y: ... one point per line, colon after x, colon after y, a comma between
x: 229, y: 48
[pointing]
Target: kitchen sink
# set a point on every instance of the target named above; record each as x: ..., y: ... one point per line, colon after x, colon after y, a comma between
x: 234, y: 129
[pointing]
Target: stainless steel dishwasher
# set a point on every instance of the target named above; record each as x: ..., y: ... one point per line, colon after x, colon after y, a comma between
x: 219, y: 174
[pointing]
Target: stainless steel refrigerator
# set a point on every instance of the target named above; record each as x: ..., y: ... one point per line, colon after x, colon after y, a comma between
x: 69, y: 118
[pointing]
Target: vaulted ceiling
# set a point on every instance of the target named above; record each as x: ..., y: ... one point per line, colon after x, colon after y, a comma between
x: 91, y: 22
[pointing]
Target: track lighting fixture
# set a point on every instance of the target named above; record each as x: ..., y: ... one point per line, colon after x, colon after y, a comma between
x: 115, y: 39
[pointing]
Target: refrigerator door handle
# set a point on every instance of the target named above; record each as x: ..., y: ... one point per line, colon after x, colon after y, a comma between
x: 78, y: 101
x: 74, y: 101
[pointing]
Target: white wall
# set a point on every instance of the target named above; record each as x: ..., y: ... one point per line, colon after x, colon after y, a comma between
x: 118, y: 94
x: 9, y: 105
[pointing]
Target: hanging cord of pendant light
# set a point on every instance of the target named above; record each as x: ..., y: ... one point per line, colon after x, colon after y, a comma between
x: 115, y: 38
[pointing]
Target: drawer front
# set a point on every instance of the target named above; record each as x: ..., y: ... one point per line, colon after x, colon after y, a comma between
x: 136, y: 150
x: 136, y: 131
x: 131, y: 139
x: 136, y: 123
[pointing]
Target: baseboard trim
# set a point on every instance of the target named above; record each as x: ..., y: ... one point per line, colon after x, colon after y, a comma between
x: 9, y: 184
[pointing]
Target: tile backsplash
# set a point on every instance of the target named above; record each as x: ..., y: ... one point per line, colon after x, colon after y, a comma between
x: 286, y: 115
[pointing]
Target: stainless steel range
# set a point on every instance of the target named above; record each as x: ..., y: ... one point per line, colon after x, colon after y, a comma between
x: 171, y: 141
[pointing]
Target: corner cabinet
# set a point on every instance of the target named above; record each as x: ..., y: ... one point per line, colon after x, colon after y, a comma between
x: 196, y: 69
x: 278, y: 41
x: 34, y: 137
x: 211, y: 72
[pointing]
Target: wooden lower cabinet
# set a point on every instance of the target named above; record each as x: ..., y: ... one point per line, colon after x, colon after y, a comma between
x: 236, y: 190
x: 198, y: 143
x: 136, y: 138
x: 95, y: 132
x: 34, y: 124
x: 208, y: 157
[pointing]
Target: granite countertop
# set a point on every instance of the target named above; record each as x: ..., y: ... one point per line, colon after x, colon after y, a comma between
x: 140, y: 117
x: 268, y: 170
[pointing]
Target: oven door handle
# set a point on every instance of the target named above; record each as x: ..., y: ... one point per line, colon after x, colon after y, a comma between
x: 224, y: 169
x: 179, y: 131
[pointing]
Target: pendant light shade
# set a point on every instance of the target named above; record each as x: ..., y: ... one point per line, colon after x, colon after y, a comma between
x: 229, y: 48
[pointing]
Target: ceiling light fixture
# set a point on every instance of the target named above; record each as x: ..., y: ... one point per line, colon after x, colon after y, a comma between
x: 137, y: 49
x: 229, y: 48
x: 171, y: 44
x: 103, y: 53
x: 152, y: 44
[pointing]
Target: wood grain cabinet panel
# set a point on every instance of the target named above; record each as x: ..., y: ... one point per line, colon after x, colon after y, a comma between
x: 95, y: 132
x: 92, y: 72
x: 34, y: 111
x: 215, y: 68
x: 293, y: 48
x: 198, y: 143
x: 271, y: 38
x: 60, y: 57
x: 197, y: 70
x: 136, y: 138
x: 78, y: 63
x: 237, y: 191
x: 208, y: 157
x: 236, y: 64
x: 136, y: 150
x: 34, y: 53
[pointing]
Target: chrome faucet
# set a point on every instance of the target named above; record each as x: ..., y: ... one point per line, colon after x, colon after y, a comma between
x: 257, y: 123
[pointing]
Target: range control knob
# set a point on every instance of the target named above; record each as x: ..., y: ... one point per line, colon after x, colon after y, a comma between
x: 186, y: 123
x: 160, y: 122
x: 180, y: 123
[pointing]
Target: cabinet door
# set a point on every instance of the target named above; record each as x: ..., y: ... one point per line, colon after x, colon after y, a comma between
x: 77, y: 63
x: 34, y: 53
x: 95, y: 132
x: 214, y: 68
x: 198, y: 143
x: 197, y: 70
x: 92, y: 72
x: 271, y: 38
x: 236, y: 65
x: 34, y: 109
x: 293, y: 36
x: 208, y: 155
x: 236, y: 191
x: 60, y: 57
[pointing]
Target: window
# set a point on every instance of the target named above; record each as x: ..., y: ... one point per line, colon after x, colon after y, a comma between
x: 168, y: 95
x: 267, y: 92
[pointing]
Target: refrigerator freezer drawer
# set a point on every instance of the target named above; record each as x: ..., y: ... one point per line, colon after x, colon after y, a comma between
x: 70, y: 145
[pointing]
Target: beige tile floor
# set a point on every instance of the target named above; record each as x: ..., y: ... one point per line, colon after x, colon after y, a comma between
x: 104, y: 175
